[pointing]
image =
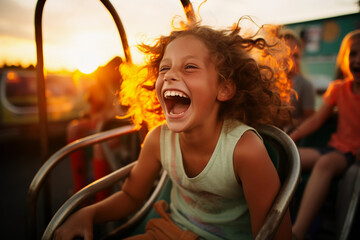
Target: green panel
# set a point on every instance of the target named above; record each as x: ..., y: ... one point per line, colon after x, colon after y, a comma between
x: 322, y: 40
x: 328, y: 33
x: 320, y: 72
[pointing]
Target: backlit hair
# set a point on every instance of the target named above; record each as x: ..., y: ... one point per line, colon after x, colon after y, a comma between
x: 255, y: 65
x: 342, y: 70
x: 289, y: 34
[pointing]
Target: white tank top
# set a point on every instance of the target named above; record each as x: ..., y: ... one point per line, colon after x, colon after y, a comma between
x: 211, y: 204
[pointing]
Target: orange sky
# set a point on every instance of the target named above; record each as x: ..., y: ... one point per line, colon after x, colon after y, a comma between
x: 81, y: 33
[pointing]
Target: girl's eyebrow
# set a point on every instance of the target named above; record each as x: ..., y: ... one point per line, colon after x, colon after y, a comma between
x: 164, y: 60
x: 183, y: 58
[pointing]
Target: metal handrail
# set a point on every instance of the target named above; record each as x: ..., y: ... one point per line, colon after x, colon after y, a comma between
x: 43, y: 122
x: 120, y: 28
x: 49, y: 164
x: 72, y: 203
x: 145, y: 208
x: 189, y: 10
x: 353, y: 205
x: 281, y: 204
x: 44, y: 171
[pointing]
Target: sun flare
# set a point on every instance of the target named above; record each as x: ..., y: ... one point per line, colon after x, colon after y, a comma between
x: 88, y: 66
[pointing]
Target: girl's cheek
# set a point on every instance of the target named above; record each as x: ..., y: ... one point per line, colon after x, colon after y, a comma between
x: 158, y: 86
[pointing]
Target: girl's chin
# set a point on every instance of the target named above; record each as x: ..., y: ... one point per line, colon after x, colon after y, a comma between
x: 176, y: 127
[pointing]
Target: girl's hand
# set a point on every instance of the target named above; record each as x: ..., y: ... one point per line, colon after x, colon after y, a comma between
x: 80, y: 224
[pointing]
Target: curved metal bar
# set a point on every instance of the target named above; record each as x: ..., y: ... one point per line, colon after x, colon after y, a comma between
x: 120, y: 28
x: 272, y: 220
x: 281, y: 204
x: 31, y: 225
x: 70, y: 205
x: 345, y: 231
x: 55, y: 159
x: 189, y: 10
x: 145, y: 208
x: 40, y: 77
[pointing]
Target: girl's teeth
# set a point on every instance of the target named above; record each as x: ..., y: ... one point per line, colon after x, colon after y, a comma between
x: 174, y: 94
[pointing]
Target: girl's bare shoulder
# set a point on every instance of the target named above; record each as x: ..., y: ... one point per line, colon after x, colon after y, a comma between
x: 152, y: 143
x: 250, y: 154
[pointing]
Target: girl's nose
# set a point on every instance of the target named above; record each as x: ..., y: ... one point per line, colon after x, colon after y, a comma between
x: 171, y: 74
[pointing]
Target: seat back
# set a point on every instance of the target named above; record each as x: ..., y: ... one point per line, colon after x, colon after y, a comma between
x: 281, y: 146
x: 281, y: 149
x: 348, y: 196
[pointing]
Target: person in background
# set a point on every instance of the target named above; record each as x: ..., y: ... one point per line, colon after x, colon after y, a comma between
x: 346, y: 183
x: 101, y: 98
x: 303, y: 99
x: 344, y: 145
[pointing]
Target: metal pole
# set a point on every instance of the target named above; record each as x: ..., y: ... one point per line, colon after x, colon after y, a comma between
x: 120, y: 28
x: 189, y: 10
x: 43, y: 127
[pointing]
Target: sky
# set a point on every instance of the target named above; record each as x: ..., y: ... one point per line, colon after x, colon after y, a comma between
x: 80, y: 34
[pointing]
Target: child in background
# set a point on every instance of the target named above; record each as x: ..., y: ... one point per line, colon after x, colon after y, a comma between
x: 303, y: 99
x: 102, y: 108
x: 344, y: 144
x: 212, y: 92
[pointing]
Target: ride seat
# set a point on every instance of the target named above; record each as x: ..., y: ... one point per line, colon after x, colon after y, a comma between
x: 280, y: 147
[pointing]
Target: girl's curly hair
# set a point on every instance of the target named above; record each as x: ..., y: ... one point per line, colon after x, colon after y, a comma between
x: 256, y: 67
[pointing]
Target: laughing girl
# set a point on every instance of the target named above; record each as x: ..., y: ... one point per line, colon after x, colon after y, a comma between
x: 212, y: 89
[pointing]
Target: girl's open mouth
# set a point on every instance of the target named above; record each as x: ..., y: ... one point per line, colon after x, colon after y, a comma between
x: 176, y: 102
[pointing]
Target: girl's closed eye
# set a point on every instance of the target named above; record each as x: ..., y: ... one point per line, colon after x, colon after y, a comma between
x: 190, y: 67
x: 164, y: 68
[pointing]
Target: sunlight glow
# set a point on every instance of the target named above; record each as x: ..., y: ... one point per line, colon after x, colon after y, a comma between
x: 17, y: 51
x: 87, y: 66
x: 68, y: 31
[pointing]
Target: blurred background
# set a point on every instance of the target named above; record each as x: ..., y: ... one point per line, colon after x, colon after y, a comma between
x: 81, y: 45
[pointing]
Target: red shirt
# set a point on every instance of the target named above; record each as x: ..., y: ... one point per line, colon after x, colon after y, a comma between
x: 347, y: 136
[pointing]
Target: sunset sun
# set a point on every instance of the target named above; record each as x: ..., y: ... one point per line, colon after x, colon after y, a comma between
x: 87, y: 66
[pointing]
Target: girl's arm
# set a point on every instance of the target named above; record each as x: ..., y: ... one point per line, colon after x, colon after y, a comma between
x: 135, y: 191
x: 260, y: 182
x: 312, y: 123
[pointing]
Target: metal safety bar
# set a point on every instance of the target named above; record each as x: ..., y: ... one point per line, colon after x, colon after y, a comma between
x: 44, y: 171
x: 189, y: 10
x: 289, y: 183
x: 43, y: 123
x: 353, y: 205
x: 41, y: 86
x: 289, y: 169
x: 72, y: 203
x: 120, y: 28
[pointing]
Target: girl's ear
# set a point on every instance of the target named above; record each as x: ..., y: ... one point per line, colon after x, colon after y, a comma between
x: 226, y: 91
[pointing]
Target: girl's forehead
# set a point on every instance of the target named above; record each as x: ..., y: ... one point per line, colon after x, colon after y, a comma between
x: 190, y: 38
x: 187, y: 43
